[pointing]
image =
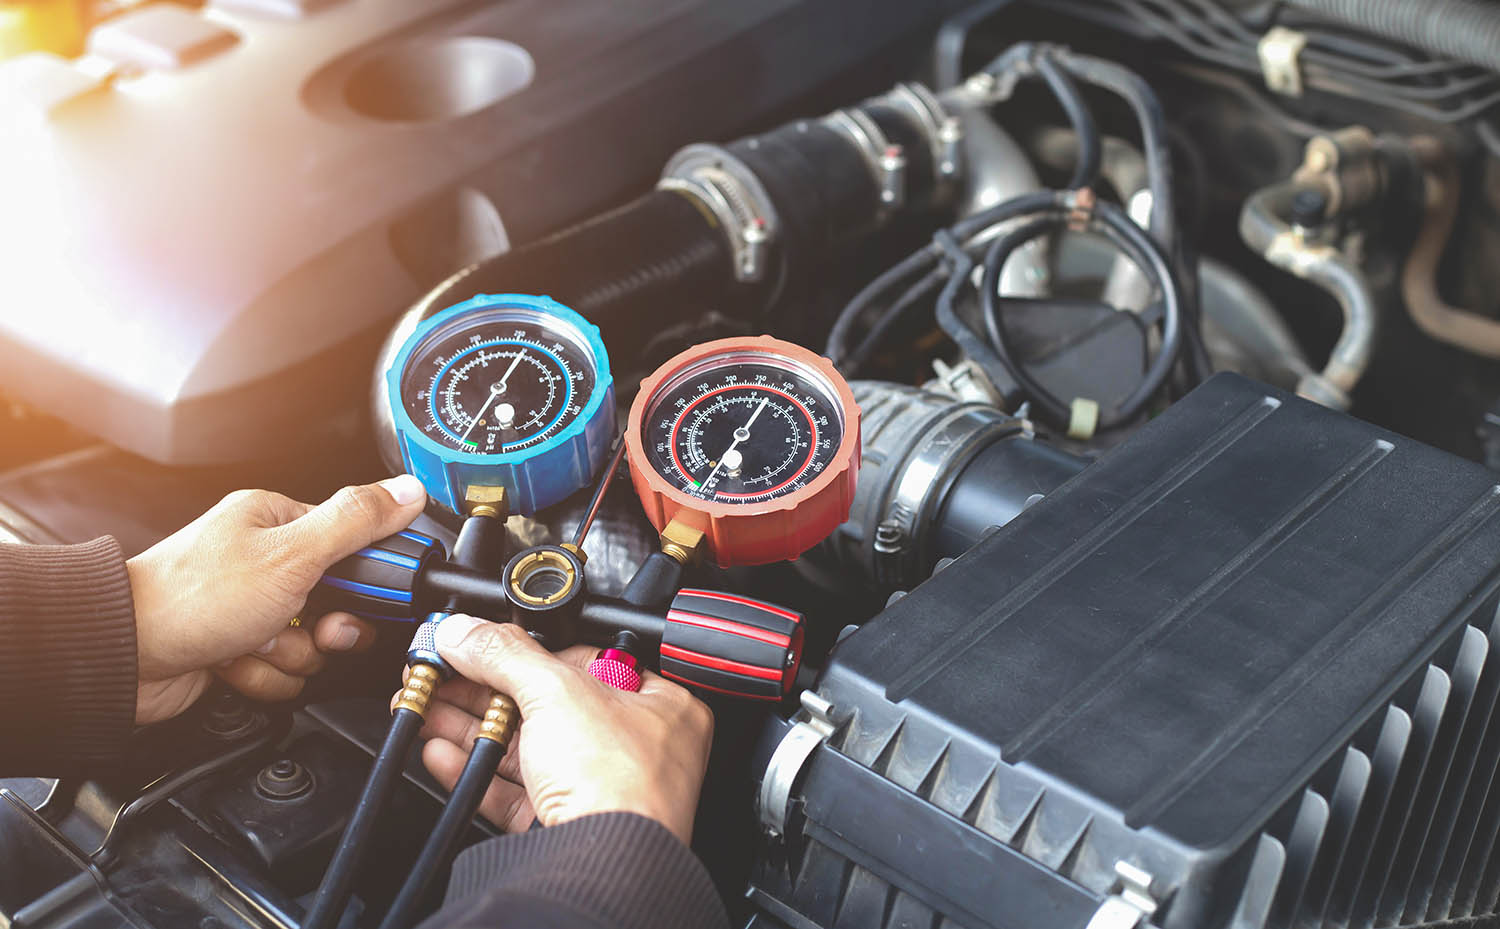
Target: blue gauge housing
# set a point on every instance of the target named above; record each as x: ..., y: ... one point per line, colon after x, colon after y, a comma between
x: 545, y: 469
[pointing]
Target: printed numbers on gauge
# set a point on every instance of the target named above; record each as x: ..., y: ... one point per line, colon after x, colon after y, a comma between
x: 742, y: 431
x: 509, y: 385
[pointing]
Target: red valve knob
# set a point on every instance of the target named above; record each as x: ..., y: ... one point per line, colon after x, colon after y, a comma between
x: 617, y: 665
x: 731, y: 644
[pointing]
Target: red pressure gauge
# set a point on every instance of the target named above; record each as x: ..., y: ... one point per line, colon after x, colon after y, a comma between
x: 752, y: 441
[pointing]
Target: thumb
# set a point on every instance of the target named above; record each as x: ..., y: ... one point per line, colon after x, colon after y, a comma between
x: 503, y: 657
x: 356, y: 516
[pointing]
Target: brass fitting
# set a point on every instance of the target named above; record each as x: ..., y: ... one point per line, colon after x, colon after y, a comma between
x: 500, y: 720
x: 682, y: 543
x: 577, y: 552
x: 420, y: 683
x: 553, y: 569
x: 486, y: 501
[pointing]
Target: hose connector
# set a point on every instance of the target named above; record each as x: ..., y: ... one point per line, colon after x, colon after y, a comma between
x: 501, y: 718
x: 421, y: 682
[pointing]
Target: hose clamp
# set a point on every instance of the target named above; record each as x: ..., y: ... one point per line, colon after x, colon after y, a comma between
x: 792, y: 753
x: 732, y: 193
x: 938, y: 126
x: 879, y: 156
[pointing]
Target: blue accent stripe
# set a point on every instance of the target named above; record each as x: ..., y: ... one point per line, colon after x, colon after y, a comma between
x: 390, y: 558
x: 369, y: 590
x: 417, y: 537
x: 387, y: 619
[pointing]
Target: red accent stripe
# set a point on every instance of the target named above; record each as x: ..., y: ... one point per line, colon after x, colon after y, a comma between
x: 720, y: 690
x: 742, y: 601
x: 719, y: 664
x: 729, y: 627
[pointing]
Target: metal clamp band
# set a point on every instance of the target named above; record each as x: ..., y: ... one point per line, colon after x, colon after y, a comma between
x: 734, y: 196
x: 791, y: 756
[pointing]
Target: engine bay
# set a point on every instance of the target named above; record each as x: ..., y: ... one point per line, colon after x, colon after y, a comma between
x: 1057, y: 439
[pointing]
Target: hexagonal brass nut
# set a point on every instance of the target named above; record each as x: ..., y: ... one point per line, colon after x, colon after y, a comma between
x: 486, y: 501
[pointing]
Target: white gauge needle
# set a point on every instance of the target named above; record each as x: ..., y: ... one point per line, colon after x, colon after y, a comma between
x: 495, y: 390
x: 505, y: 378
x: 741, y: 434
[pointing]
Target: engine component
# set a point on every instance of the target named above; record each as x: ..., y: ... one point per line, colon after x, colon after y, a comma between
x: 1456, y: 326
x: 743, y: 227
x: 753, y: 443
x: 507, y: 391
x: 208, y: 299
x: 1241, y: 670
x: 935, y: 476
x: 1287, y: 225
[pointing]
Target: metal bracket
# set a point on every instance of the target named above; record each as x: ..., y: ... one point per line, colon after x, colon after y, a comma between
x: 1280, y: 52
x: 791, y: 756
x: 1131, y: 905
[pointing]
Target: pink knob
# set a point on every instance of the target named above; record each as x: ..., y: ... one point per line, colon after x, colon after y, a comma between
x: 617, y: 669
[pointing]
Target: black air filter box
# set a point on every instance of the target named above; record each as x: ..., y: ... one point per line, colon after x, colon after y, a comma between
x: 1250, y: 655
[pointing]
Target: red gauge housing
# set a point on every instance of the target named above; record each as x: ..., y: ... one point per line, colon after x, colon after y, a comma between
x: 753, y: 441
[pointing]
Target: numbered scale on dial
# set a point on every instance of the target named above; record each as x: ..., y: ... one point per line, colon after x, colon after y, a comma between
x: 508, y: 390
x: 752, y: 441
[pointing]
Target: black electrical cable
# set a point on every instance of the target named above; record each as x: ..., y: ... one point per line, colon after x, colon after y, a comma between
x: 922, y: 291
x: 338, y: 880
x: 1156, y: 149
x: 1125, y: 235
x: 442, y: 844
x: 919, y: 262
x: 1086, y: 170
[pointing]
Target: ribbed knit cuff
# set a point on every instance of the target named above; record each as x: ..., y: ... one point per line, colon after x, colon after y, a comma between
x: 613, y: 869
x: 67, y: 658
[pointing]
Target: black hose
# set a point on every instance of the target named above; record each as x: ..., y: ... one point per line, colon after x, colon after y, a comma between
x: 1468, y: 30
x: 442, y: 844
x: 338, y: 880
x: 1156, y: 149
x: 659, y: 258
x: 1086, y: 168
x: 919, y: 262
x: 925, y: 289
x: 1125, y: 235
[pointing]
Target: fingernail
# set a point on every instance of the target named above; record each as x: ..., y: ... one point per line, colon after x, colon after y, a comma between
x: 345, y: 639
x: 266, y: 648
x: 452, y: 631
x: 404, y: 488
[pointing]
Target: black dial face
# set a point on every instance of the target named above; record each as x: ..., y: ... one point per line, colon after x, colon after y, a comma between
x: 743, y: 428
x: 497, y: 382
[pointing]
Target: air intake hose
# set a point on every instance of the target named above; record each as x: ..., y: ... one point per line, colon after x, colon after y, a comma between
x: 659, y: 257
x: 1466, y: 30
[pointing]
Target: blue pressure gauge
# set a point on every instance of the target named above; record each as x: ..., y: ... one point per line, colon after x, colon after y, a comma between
x: 503, y: 390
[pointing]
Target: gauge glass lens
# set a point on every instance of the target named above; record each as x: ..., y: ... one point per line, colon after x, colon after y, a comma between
x: 498, y: 381
x: 742, y: 428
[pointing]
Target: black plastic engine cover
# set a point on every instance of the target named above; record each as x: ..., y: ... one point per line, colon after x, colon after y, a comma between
x: 1249, y: 652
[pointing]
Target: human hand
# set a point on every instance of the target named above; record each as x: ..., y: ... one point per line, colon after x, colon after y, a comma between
x: 582, y: 748
x: 219, y: 592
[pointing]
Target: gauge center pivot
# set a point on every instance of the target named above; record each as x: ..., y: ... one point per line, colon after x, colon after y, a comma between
x: 753, y: 441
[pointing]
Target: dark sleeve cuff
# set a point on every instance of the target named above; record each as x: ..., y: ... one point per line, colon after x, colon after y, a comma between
x: 612, y: 869
x: 67, y: 658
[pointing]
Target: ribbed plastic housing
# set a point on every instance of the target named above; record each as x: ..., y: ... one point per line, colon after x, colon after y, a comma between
x: 1252, y: 652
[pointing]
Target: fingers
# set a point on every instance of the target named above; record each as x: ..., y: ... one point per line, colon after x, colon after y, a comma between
x: 343, y: 632
x: 354, y: 517
x: 504, y: 657
x: 292, y: 651
x: 505, y: 804
x: 259, y: 679
x: 264, y: 508
x: 454, y: 724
